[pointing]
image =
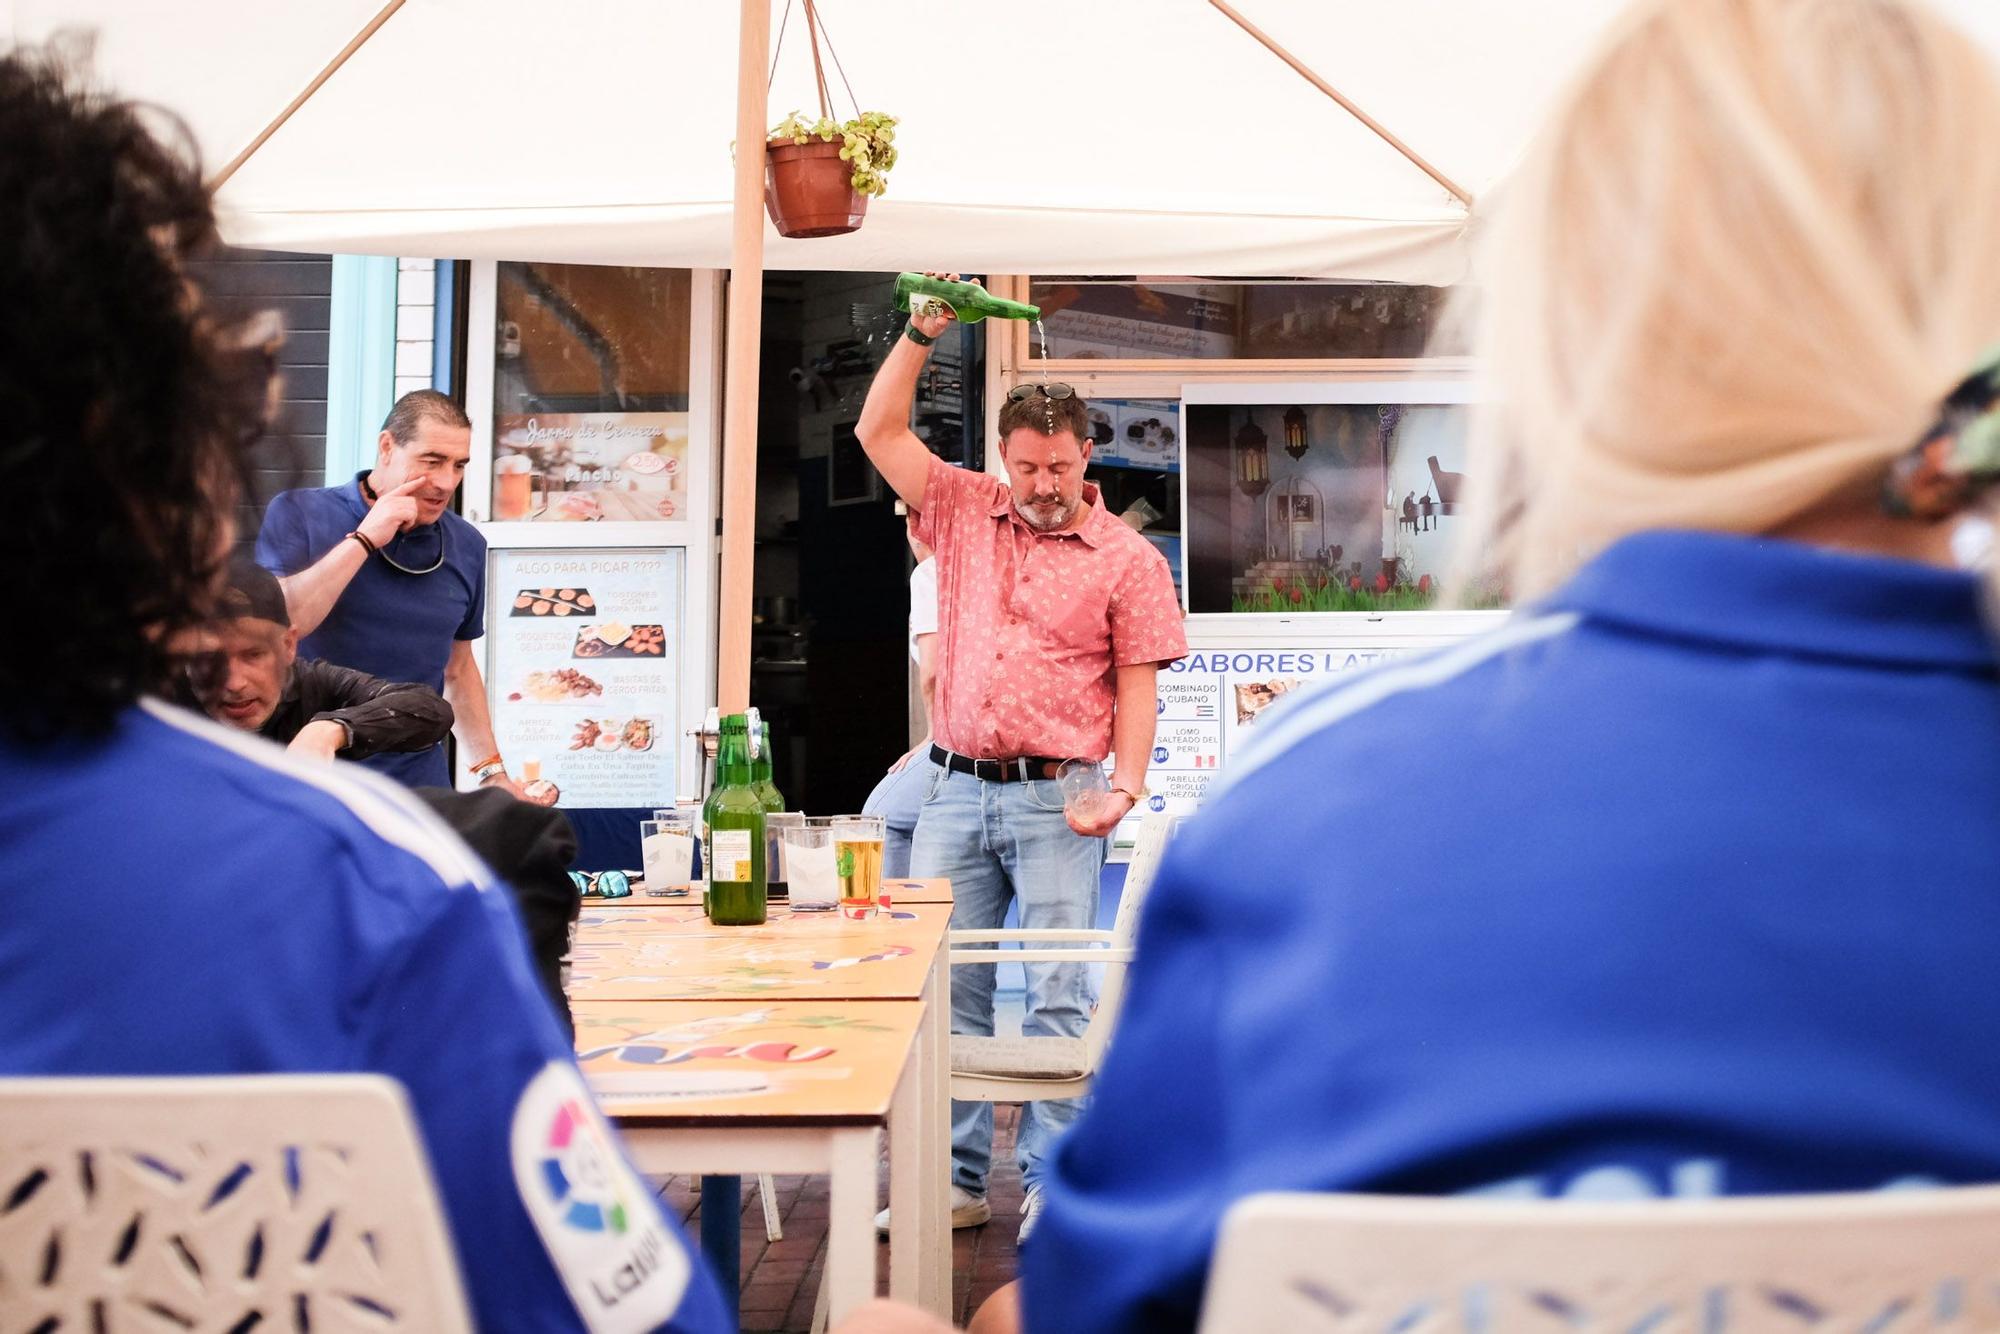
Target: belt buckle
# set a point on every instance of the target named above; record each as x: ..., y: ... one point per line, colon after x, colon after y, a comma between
x: 991, y: 771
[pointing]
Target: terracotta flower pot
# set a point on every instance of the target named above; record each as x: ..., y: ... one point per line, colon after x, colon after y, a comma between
x: 807, y: 190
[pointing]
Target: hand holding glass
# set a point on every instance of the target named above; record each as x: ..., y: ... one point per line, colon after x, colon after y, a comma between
x: 1084, y: 788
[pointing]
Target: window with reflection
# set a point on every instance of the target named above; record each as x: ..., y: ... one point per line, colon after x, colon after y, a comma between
x: 590, y: 393
x: 1307, y: 507
x: 1186, y: 319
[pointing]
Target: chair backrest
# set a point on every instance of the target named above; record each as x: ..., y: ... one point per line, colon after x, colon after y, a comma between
x: 192, y: 1203
x: 1901, y: 1260
x: 1154, y: 832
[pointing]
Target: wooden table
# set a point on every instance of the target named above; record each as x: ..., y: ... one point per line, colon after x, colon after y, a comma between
x: 735, y: 1088
x: 863, y: 976
x: 900, y: 891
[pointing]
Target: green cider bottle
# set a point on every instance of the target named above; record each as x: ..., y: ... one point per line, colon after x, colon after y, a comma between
x: 969, y: 302
x: 774, y: 801
x: 733, y: 828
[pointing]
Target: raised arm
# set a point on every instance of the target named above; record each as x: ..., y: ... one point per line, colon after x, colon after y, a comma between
x: 310, y: 593
x: 884, y: 428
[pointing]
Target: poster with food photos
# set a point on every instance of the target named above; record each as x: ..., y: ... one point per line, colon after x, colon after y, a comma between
x: 554, y: 467
x: 1210, y: 702
x: 584, y: 673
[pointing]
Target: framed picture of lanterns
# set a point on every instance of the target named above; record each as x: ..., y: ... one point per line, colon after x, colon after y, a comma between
x: 1337, y: 496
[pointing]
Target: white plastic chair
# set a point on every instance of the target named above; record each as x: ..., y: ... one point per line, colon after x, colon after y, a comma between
x: 1027, y: 1069
x: 1890, y: 1261
x: 194, y: 1203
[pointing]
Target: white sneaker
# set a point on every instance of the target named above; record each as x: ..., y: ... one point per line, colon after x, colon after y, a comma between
x: 1031, y: 1209
x: 967, y: 1210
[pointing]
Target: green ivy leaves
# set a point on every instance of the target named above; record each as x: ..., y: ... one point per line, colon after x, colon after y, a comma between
x: 867, y: 143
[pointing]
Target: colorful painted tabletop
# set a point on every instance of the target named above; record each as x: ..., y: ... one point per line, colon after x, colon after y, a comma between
x: 900, y: 891
x: 770, y: 1061
x: 676, y: 954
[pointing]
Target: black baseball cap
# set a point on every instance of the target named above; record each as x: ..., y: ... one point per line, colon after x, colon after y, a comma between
x: 254, y: 591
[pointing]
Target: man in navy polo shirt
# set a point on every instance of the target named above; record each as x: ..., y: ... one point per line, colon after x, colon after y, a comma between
x: 382, y: 577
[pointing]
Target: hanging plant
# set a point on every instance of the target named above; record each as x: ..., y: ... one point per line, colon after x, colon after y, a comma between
x: 819, y: 175
x: 867, y: 145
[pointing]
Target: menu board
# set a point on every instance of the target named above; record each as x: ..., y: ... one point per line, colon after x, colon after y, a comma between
x: 585, y: 672
x: 1209, y: 704
x: 576, y: 467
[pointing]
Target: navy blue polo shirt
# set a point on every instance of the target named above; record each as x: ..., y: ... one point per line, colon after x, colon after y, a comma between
x: 250, y: 913
x: 398, y: 626
x: 1685, y: 882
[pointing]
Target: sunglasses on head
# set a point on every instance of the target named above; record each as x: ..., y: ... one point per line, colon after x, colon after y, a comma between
x: 1022, y: 392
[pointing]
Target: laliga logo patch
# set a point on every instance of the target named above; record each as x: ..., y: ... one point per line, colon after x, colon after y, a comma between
x: 576, y: 1173
x: 624, y: 1271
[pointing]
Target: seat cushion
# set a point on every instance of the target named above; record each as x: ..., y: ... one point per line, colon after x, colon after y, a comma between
x: 1018, y: 1057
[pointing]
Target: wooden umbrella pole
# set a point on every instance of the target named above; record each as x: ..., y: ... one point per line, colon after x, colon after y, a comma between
x: 1380, y: 130
x: 739, y: 409
x: 217, y: 181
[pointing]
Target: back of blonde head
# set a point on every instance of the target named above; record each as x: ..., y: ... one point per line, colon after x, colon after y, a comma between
x: 1749, y: 254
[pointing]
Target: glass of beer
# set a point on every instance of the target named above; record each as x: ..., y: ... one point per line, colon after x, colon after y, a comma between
x: 511, y: 486
x: 857, y: 865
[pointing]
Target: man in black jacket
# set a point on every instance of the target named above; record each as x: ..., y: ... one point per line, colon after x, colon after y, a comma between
x: 251, y: 677
x: 248, y: 675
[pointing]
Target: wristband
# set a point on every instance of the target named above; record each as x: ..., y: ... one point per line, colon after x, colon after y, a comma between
x: 1135, y: 796
x: 487, y: 771
x: 917, y: 336
x: 489, y: 762
x: 362, y: 538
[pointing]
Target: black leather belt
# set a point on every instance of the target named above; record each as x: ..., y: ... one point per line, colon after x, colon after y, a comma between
x: 997, y: 771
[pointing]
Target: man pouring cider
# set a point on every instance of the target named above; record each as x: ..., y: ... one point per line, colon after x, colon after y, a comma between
x: 1053, y: 620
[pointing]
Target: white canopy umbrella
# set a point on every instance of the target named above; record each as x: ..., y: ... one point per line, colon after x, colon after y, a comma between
x: 1053, y: 136
x: 1039, y: 136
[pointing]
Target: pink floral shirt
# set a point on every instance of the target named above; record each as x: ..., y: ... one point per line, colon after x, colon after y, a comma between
x: 1031, y: 625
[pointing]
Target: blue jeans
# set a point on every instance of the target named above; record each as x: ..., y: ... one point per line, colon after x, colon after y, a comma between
x: 1000, y: 843
x: 897, y: 799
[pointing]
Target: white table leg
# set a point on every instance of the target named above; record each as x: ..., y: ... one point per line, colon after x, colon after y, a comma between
x: 934, y: 1281
x: 850, y: 1239
x: 909, y: 1169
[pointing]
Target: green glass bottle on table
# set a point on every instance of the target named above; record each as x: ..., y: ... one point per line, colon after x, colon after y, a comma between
x: 774, y: 803
x: 969, y: 302
x: 733, y: 821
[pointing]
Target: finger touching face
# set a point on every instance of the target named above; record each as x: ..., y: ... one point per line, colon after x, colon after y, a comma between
x: 435, y: 456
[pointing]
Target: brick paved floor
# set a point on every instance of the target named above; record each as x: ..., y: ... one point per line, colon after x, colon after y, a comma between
x: 781, y: 1278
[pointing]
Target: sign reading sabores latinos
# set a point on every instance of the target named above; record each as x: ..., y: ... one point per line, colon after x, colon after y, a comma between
x: 585, y: 673
x: 1209, y: 704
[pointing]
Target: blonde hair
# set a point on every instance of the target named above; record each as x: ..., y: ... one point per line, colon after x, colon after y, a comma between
x: 1752, y: 250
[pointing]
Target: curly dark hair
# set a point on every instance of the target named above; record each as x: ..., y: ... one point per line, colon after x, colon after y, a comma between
x: 125, y: 409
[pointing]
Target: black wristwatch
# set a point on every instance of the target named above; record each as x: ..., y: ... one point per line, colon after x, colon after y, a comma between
x: 917, y: 336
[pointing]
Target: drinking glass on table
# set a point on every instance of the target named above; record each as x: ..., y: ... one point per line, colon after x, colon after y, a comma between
x: 857, y: 863
x: 775, y: 825
x: 667, y: 842
x: 1084, y: 787
x: 808, y: 851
